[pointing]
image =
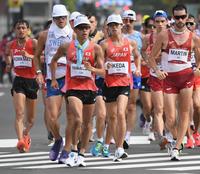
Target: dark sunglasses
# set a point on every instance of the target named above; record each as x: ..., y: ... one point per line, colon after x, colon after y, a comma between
x: 83, y: 27
x: 60, y: 17
x: 190, y: 23
x: 159, y: 21
x: 151, y: 26
x: 128, y: 20
x: 180, y: 17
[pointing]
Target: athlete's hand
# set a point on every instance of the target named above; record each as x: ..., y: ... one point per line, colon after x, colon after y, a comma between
x: 197, y: 72
x: 40, y: 79
x: 8, y: 67
x: 25, y: 54
x: 137, y: 73
x: 88, y: 66
x: 54, y: 84
x: 161, y: 74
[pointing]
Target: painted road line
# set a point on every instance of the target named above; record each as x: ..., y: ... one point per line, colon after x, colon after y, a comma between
x: 5, y: 143
x: 190, y: 168
x: 166, y: 163
x: 24, y: 154
x: 24, y: 159
x: 119, y: 165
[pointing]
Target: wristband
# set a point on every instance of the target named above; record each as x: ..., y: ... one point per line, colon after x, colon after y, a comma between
x: 38, y: 71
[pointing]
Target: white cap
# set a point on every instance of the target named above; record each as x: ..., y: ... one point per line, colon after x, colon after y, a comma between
x: 129, y: 14
x: 114, y: 18
x: 59, y: 10
x: 73, y: 15
x: 81, y: 19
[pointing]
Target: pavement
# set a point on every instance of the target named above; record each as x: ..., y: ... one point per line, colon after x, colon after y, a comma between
x: 144, y: 156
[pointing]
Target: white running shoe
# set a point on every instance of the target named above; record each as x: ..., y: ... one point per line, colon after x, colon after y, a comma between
x: 81, y: 161
x: 71, y: 161
x: 119, y: 155
x: 151, y: 136
x: 175, y: 155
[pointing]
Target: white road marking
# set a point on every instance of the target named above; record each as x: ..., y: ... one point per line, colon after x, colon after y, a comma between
x: 23, y: 154
x: 190, y: 168
x: 167, y: 163
x: 4, y: 143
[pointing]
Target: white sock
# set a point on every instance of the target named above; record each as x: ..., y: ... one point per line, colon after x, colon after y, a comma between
x: 100, y: 139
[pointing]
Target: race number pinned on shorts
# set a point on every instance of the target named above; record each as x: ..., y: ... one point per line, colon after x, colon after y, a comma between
x: 21, y: 61
x: 80, y: 71
x: 118, y: 68
x: 178, y: 55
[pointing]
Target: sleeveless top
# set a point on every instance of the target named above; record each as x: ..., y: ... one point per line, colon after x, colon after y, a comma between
x: 119, y: 74
x: 177, y: 57
x: 78, y: 77
x: 51, y: 46
x: 23, y: 66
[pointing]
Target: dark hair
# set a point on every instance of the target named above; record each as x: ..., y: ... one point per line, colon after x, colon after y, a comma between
x: 179, y: 7
x: 146, y: 22
x: 47, y: 24
x: 191, y: 16
x: 89, y: 15
x: 21, y: 21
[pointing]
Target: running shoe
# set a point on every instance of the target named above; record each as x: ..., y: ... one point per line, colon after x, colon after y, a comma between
x: 27, y: 142
x: 96, y: 148
x: 54, y: 152
x: 63, y: 156
x: 81, y: 161
x: 125, y: 144
x: 196, y: 137
x: 142, y: 120
x: 189, y: 144
x: 175, y: 155
x: 151, y: 136
x: 147, y: 127
x: 71, y: 161
x: 163, y: 143
x: 105, y: 151
x: 119, y: 155
x: 21, y: 146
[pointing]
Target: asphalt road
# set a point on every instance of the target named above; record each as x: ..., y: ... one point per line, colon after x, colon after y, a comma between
x: 144, y: 158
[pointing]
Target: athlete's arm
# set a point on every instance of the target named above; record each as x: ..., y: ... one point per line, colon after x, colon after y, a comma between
x: 38, y: 52
x: 137, y: 58
x: 144, y: 48
x: 99, y: 70
x: 157, y: 46
x: 61, y: 51
x: 196, y: 41
x: 8, y: 58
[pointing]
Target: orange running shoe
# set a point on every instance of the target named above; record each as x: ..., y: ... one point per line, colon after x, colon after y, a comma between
x: 163, y: 143
x: 189, y: 144
x: 21, y: 146
x: 196, y: 137
x: 27, y: 142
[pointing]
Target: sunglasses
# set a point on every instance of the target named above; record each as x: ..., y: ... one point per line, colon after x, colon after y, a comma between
x: 151, y: 26
x: 128, y: 20
x: 159, y: 21
x: 180, y: 17
x: 60, y: 17
x: 190, y: 23
x: 83, y: 27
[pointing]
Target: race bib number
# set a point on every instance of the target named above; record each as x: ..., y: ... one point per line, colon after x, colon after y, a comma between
x: 118, y: 68
x: 20, y: 61
x: 80, y: 71
x: 178, y: 55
